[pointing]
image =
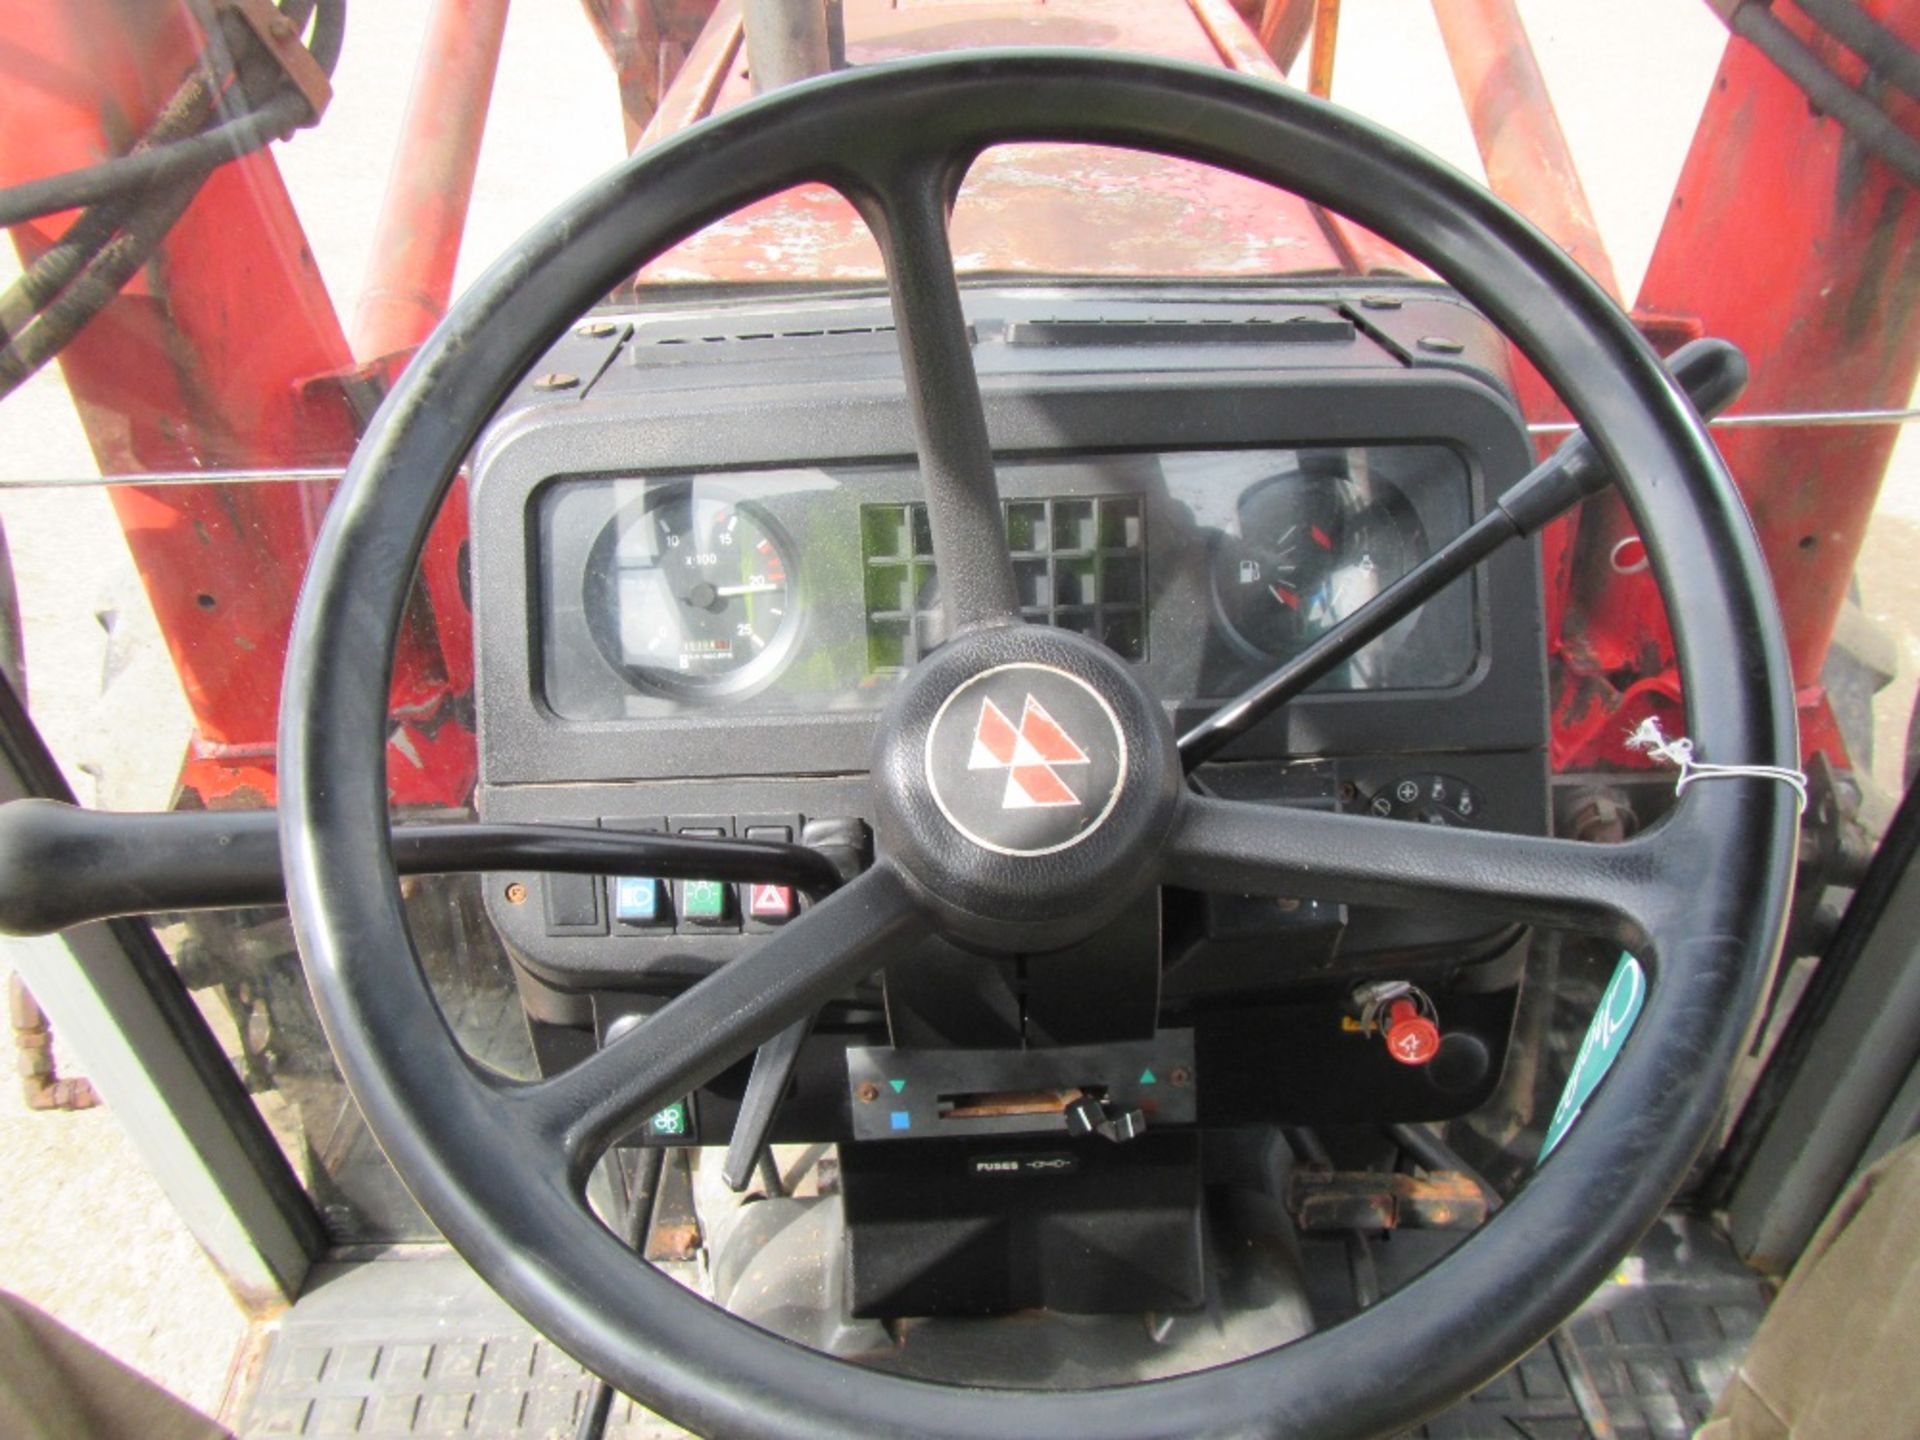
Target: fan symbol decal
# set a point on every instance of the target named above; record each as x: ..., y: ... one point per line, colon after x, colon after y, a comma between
x: 1030, y: 754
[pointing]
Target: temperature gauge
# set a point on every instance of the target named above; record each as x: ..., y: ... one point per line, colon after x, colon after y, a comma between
x: 689, y: 592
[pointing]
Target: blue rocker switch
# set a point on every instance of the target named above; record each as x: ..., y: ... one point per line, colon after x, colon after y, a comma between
x: 636, y: 900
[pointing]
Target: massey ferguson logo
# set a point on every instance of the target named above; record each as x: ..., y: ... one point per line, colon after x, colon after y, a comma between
x: 1030, y: 752
x: 1025, y: 759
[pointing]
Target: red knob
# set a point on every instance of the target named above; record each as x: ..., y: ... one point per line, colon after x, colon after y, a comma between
x: 1412, y: 1038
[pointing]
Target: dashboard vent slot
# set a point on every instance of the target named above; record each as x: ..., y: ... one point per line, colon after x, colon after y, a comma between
x: 1295, y: 330
x: 693, y: 342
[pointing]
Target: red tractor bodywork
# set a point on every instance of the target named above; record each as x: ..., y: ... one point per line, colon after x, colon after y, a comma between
x: 226, y: 353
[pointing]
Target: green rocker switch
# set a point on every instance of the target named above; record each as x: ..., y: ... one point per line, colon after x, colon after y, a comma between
x: 704, y: 901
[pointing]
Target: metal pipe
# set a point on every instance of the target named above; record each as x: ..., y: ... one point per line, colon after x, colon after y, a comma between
x: 786, y: 41
x: 1283, y: 30
x: 410, y: 277
x: 1326, y: 32
x: 1514, y: 125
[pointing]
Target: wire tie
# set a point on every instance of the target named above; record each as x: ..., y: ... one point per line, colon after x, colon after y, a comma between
x: 1678, y: 752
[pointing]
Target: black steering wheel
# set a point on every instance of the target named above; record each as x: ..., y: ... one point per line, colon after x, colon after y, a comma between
x: 500, y: 1165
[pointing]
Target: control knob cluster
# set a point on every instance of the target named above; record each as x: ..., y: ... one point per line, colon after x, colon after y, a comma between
x: 1431, y: 797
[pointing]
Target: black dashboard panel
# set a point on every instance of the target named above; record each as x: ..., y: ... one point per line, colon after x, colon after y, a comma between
x: 818, y: 419
x: 1201, y: 507
x: 814, y: 589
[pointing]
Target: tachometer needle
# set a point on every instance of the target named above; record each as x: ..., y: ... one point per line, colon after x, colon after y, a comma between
x: 757, y: 587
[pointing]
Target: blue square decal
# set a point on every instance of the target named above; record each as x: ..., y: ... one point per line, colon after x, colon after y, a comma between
x: 902, y: 1120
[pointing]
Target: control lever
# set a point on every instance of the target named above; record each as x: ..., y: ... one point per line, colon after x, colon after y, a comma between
x: 61, y: 865
x: 845, y: 844
x: 1712, y: 372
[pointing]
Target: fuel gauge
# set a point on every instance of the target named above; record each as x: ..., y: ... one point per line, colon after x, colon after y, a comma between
x: 1307, y: 548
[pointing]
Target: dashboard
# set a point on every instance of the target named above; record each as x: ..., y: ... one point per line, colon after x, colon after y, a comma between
x: 701, y: 570
x: 815, y: 589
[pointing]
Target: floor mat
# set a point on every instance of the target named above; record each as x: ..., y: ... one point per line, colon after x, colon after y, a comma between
x: 1646, y: 1357
x: 418, y: 1346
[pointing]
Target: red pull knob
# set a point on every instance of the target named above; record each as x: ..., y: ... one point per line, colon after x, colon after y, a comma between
x: 1412, y: 1038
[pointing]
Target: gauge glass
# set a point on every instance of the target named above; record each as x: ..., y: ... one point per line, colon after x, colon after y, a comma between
x: 688, y: 593
x: 1307, y: 547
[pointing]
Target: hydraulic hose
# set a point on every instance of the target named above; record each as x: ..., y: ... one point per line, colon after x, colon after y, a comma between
x: 142, y: 170
x: 1885, y: 52
x: 79, y: 275
x: 1866, y: 121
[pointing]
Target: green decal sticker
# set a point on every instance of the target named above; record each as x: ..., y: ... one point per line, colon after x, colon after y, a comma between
x: 1147, y: 1077
x: 1612, y: 1023
x: 898, y: 1085
x: 670, y: 1121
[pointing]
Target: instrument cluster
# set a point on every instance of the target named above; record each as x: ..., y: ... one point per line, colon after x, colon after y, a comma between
x: 816, y: 589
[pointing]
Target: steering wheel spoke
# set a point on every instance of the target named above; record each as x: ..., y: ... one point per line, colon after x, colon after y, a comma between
x: 1624, y: 891
x: 827, y: 948
x: 907, y: 212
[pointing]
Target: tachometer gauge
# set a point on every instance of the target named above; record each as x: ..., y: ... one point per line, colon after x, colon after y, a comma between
x: 1307, y: 548
x: 689, y: 593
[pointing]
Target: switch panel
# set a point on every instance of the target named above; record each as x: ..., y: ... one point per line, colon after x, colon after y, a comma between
x: 916, y: 1094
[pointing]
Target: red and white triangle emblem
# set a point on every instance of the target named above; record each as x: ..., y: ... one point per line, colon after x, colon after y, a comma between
x: 1028, y: 753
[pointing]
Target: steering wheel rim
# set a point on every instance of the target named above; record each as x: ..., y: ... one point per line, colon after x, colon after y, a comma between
x: 479, y: 1153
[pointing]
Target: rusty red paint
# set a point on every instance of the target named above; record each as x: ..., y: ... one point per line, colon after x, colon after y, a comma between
x: 202, y: 363
x: 647, y: 42
x: 1028, y: 209
x: 415, y: 251
x: 712, y: 58
x: 1283, y: 29
x: 1516, y: 128
x: 1790, y: 241
x: 1326, y: 36
x: 417, y: 242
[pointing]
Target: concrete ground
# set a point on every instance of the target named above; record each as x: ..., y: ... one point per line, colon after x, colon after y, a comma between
x: 87, y: 1232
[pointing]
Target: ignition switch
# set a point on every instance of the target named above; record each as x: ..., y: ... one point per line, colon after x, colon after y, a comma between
x: 1403, y: 1015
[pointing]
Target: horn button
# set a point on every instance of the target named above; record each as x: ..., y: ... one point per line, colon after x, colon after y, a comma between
x: 1025, y: 782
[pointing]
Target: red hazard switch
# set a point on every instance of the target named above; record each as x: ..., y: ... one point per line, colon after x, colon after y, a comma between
x: 1412, y: 1038
x: 770, y: 904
